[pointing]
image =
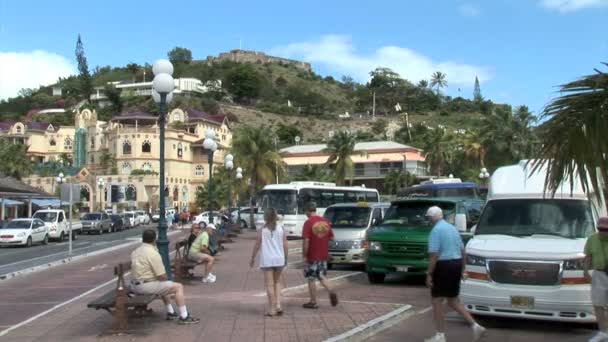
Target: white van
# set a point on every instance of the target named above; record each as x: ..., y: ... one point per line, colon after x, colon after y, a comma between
x: 526, y: 257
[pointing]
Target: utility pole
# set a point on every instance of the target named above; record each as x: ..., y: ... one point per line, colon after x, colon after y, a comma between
x: 374, y: 107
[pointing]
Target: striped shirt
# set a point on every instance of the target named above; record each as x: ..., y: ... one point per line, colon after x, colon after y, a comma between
x: 445, y: 240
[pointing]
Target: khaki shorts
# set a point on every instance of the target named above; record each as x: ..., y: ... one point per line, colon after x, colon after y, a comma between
x: 599, y: 288
x: 199, y: 257
x: 161, y: 288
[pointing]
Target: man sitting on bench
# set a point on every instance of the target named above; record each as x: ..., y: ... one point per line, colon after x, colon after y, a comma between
x: 148, y: 276
x: 201, y: 253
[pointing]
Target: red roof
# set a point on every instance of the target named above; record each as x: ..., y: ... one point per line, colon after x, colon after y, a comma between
x: 194, y: 115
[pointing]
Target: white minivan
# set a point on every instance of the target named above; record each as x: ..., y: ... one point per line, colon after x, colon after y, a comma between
x: 526, y: 257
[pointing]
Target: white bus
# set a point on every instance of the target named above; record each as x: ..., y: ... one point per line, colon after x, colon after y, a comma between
x: 291, y: 200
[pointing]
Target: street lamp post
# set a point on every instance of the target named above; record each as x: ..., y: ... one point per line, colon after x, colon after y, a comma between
x: 484, y: 175
x: 100, y: 185
x: 162, y: 86
x: 210, y: 145
x: 60, y: 180
x: 239, y: 176
x: 229, y: 166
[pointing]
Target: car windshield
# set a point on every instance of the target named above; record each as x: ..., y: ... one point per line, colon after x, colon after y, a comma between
x: 92, y: 217
x: 527, y: 217
x: 18, y: 225
x: 413, y: 214
x: 46, y: 216
x: 348, y: 217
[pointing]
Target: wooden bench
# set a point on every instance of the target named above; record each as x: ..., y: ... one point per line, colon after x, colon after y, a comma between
x: 120, y: 300
x: 182, y: 266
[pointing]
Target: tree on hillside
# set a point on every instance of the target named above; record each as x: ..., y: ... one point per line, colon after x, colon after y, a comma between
x: 134, y: 69
x: 388, y: 86
x: 114, y: 96
x: 475, y: 145
x: 379, y: 126
x: 438, y: 80
x: 254, y: 148
x: 180, y: 56
x: 317, y: 173
x: 341, y: 147
x: 438, y: 150
x: 477, y: 91
x: 396, y: 180
x: 287, y: 134
x: 573, y: 137
x: 15, y: 162
x: 243, y: 81
x: 423, y: 84
x: 86, y: 83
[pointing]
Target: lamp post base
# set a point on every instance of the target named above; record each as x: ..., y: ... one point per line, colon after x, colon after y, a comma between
x: 163, y: 246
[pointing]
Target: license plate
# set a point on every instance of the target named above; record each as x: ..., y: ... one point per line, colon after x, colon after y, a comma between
x: 522, y: 302
x: 402, y: 268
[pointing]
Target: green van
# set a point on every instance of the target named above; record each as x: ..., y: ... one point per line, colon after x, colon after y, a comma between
x: 399, y: 243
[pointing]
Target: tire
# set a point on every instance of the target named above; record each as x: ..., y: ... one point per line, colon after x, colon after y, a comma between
x: 61, y: 237
x: 28, y: 243
x: 45, y: 241
x: 330, y: 266
x: 376, y: 278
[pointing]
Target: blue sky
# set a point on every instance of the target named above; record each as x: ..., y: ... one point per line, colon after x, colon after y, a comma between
x: 520, y: 49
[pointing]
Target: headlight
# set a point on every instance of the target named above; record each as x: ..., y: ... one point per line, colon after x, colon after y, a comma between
x: 356, y: 244
x: 574, y: 264
x: 375, y: 246
x: 474, y: 260
x: 22, y: 234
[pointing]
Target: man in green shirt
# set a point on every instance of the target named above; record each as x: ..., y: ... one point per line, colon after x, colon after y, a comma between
x: 199, y: 252
x: 596, y: 250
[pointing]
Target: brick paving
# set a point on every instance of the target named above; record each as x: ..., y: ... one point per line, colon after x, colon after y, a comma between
x: 231, y: 309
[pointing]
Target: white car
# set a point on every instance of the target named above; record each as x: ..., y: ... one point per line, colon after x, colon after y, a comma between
x: 244, y: 218
x: 142, y: 216
x: 204, y: 217
x: 24, y: 232
x: 133, y: 218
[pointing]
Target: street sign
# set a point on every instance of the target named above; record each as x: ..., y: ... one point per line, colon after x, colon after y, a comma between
x: 65, y: 193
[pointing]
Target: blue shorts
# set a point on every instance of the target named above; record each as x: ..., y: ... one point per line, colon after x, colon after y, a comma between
x: 315, y: 270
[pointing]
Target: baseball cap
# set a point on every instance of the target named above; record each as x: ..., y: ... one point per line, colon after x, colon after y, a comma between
x: 602, y: 224
x: 434, y: 211
x: 212, y: 226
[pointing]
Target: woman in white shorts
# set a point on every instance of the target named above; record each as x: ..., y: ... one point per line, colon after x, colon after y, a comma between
x: 596, y: 251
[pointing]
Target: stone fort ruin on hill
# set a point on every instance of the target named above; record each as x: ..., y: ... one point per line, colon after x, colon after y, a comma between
x: 246, y: 56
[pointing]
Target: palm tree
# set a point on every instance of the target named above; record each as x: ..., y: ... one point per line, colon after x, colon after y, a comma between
x: 340, y: 148
x: 134, y: 69
x: 475, y: 146
x: 65, y: 160
x: 255, y: 151
x: 15, y: 162
x: 438, y: 149
x: 438, y: 80
x: 396, y: 180
x: 318, y: 173
x: 423, y: 84
x: 573, y: 137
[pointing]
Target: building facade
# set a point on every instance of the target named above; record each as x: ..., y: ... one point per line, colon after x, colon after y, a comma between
x: 125, y: 153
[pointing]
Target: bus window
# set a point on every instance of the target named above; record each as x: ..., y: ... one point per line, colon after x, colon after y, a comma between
x: 371, y: 197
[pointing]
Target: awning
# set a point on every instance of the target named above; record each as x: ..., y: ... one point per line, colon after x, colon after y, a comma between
x: 46, y: 202
x: 10, y: 203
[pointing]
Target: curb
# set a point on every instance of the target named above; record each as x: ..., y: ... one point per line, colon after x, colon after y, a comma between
x: 33, y: 269
x: 373, y: 327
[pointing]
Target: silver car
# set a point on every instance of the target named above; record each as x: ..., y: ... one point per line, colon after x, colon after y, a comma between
x: 96, y: 222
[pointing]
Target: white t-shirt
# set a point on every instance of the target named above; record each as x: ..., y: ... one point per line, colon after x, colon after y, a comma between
x: 271, y: 250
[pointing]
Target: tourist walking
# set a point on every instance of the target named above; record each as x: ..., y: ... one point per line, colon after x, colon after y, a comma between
x: 316, y: 235
x: 446, y: 265
x: 596, y: 251
x: 271, y: 242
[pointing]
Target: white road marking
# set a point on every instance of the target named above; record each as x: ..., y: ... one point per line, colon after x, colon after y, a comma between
x: 98, y: 267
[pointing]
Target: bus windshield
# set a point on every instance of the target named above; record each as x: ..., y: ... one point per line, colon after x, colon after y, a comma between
x: 283, y: 200
x: 323, y: 198
x: 527, y: 217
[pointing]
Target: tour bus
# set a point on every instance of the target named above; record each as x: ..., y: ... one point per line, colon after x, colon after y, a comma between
x: 525, y: 259
x: 291, y: 199
x: 441, y: 188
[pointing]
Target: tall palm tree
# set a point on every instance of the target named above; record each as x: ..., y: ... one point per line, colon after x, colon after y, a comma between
x: 423, y: 84
x: 319, y: 173
x: 438, y: 80
x: 475, y: 146
x: 438, y: 149
x: 573, y: 137
x: 396, y: 180
x: 340, y: 148
x: 15, y: 162
x: 254, y: 149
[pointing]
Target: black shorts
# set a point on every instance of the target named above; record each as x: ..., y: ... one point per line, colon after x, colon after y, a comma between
x: 446, y: 278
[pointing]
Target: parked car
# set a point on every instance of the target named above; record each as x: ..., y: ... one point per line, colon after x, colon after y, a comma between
x: 243, y: 217
x: 126, y: 221
x: 133, y: 218
x: 156, y: 215
x: 117, y: 223
x: 24, y: 232
x: 204, y: 217
x: 57, y: 223
x: 109, y: 211
x: 142, y: 216
x: 96, y: 222
x: 350, y: 222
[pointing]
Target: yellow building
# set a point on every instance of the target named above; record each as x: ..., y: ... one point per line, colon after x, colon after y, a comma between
x: 132, y: 140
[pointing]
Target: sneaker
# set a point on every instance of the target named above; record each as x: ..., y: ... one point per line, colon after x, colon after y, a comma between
x: 599, y: 337
x: 172, y: 316
x: 437, y: 338
x: 212, y: 276
x: 478, y: 332
x: 189, y: 320
x: 208, y: 280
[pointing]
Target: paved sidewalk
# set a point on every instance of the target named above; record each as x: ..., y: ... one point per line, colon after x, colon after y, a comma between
x: 231, y: 310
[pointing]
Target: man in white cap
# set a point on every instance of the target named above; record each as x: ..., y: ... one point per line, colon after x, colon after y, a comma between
x: 200, y: 252
x: 446, y: 265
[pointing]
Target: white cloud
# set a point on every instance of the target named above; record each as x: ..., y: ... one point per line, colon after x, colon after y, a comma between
x: 566, y: 6
x: 338, y: 54
x: 469, y: 10
x: 20, y: 70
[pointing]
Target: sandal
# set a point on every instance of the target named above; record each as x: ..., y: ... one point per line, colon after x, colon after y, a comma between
x: 310, y: 306
x: 279, y: 312
x: 269, y: 314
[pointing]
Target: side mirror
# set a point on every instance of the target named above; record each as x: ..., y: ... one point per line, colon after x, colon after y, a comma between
x: 461, y: 222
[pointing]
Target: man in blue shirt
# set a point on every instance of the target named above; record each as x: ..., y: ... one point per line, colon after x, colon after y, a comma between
x: 446, y: 264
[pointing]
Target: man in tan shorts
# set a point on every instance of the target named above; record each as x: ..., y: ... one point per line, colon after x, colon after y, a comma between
x: 148, y: 276
x: 199, y: 252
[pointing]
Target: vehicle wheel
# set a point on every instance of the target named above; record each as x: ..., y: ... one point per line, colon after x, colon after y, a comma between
x: 244, y: 224
x: 61, y: 237
x: 45, y: 241
x: 376, y: 278
x: 330, y: 266
x: 28, y: 244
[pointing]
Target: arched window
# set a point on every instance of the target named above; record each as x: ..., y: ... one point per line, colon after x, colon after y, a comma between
x: 147, y: 167
x: 126, y: 168
x: 131, y: 193
x: 175, y: 194
x: 126, y: 147
x: 52, y: 142
x: 67, y: 144
x: 180, y: 150
x: 177, y: 117
x: 199, y: 171
x: 85, y: 194
x: 146, y: 147
x: 18, y: 129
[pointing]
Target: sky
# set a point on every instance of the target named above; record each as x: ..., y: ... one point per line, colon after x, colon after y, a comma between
x: 521, y: 50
